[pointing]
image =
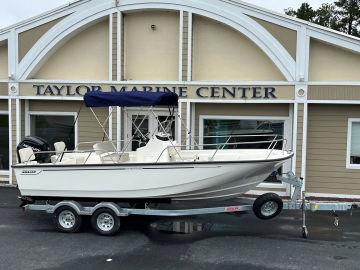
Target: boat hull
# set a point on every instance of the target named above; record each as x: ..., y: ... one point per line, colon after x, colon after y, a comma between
x: 181, y: 181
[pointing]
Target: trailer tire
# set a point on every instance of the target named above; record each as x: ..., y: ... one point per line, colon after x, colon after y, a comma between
x: 267, y: 206
x: 105, y: 222
x: 67, y: 220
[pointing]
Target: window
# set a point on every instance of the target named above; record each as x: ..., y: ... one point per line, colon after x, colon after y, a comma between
x: 4, y: 142
x: 54, y: 128
x: 353, y: 144
x: 220, y: 128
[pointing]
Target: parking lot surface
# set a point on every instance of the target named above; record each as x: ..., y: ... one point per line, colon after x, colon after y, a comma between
x: 28, y: 240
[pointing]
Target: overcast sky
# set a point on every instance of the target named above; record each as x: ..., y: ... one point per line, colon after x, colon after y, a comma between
x: 13, y: 11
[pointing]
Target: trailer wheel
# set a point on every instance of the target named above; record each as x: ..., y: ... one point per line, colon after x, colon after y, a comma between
x: 267, y: 206
x: 67, y: 220
x: 105, y: 222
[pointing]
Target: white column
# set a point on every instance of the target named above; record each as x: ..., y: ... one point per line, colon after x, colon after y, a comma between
x: 190, y: 37
x: 181, y: 35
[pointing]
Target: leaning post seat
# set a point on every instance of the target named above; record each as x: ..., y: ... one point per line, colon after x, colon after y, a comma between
x: 152, y: 150
x: 27, y: 156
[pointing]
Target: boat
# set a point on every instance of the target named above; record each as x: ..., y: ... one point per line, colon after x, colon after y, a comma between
x: 161, y: 170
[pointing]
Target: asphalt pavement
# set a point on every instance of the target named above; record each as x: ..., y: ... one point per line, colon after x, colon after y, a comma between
x: 28, y: 240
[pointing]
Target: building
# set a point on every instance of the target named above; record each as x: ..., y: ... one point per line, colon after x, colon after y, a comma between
x: 232, y: 64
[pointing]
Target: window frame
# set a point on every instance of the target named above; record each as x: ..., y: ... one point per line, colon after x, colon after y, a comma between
x: 6, y: 172
x: 350, y: 166
x: 47, y: 113
x: 287, y: 136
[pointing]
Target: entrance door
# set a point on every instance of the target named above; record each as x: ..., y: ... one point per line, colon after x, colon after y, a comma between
x: 140, y: 125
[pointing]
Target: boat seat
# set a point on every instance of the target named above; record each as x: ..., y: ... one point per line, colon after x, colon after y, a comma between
x: 59, y: 149
x: 152, y: 151
x: 27, y: 156
x: 108, y: 154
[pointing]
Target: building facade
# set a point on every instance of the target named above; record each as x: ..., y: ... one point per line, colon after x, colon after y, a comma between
x: 231, y: 63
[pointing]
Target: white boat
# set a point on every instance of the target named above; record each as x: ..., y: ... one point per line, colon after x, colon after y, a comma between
x: 161, y: 170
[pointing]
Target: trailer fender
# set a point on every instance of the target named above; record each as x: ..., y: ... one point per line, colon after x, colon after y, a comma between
x: 74, y: 205
x: 113, y: 206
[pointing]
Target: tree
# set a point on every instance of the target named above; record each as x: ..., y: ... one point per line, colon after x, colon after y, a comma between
x: 326, y: 16
x: 349, y: 16
x: 343, y: 15
x: 304, y: 12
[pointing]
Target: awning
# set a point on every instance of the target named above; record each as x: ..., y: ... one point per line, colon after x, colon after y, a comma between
x: 130, y: 99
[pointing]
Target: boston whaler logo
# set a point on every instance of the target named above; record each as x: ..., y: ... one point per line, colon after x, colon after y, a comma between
x: 30, y: 172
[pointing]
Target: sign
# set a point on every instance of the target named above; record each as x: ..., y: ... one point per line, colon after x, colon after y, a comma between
x: 203, y: 92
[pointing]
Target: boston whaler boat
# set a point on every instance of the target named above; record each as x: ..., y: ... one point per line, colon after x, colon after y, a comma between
x: 162, y: 170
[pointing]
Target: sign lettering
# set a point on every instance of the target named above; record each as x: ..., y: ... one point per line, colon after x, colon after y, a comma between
x: 202, y: 92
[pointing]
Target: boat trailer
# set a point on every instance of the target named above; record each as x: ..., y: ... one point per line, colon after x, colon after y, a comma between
x: 105, y: 216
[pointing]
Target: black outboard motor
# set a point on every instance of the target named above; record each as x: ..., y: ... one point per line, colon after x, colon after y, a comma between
x: 38, y: 145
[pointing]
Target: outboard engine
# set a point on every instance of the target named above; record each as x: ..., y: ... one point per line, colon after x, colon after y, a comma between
x: 38, y: 145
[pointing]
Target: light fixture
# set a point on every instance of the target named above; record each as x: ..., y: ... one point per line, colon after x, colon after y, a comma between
x: 153, y: 27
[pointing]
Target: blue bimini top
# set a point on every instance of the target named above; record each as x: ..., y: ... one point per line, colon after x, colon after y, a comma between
x: 130, y: 99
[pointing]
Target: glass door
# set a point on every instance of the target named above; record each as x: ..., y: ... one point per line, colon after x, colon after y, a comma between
x: 140, y: 129
x: 141, y: 125
x: 4, y: 142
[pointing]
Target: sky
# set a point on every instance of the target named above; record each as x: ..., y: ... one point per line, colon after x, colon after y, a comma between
x: 13, y: 11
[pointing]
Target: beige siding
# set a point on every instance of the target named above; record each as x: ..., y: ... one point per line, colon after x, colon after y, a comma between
x: 221, y: 53
x: 185, y: 46
x: 281, y: 110
x: 331, y: 63
x: 84, y: 57
x: 326, y: 155
x: 3, y: 61
x: 4, y: 89
x: 286, y: 36
x: 114, y: 46
x: 151, y: 54
x: 28, y: 38
x: 88, y: 128
x: 320, y: 92
x: 299, y: 138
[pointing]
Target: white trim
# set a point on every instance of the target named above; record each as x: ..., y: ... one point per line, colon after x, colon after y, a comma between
x: 189, y: 49
x: 44, y: 113
x: 10, y: 142
x: 202, y: 83
x: 50, y: 98
x: 179, y: 120
x: 332, y: 195
x: 18, y: 121
x: 350, y: 166
x: 4, y: 173
x: 222, y: 13
x: 119, y: 45
x: 334, y: 102
x: 287, y: 135
x: 118, y: 128
x: 27, y: 123
x: 110, y: 122
x: 188, y: 124
x: 304, y: 145
x: 338, y: 83
x: 277, y: 101
x: 45, y: 17
x: 193, y: 122
x: 110, y: 45
x: 294, y: 133
x: 181, y: 36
